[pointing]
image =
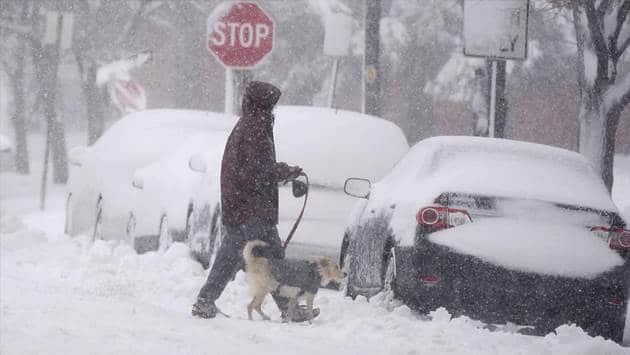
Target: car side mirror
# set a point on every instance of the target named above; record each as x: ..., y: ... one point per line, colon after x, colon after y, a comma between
x: 358, y: 187
x: 299, y: 188
x: 76, y: 155
x: 197, y: 163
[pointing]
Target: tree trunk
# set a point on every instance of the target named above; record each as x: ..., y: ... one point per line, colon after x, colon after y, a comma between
x: 597, y: 130
x: 56, y: 136
x: 94, y: 104
x: 19, y: 116
x: 612, y: 122
x: 371, y: 59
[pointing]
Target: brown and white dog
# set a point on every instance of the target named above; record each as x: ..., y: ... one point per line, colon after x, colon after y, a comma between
x: 291, y: 278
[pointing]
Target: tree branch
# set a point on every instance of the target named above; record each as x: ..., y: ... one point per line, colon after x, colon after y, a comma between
x: 129, y: 26
x: 616, y: 51
x: 597, y: 37
x: 619, y: 93
x: 625, y: 99
x: 623, y: 47
x: 604, y: 5
x: 579, y: 37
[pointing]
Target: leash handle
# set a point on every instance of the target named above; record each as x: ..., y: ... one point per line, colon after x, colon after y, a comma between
x: 297, y: 221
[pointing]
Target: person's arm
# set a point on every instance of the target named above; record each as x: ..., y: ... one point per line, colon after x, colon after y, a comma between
x: 285, y: 172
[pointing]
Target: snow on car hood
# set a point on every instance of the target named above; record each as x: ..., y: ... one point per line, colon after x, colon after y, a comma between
x: 524, y: 245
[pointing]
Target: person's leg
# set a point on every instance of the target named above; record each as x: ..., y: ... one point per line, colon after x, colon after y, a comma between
x: 269, y: 234
x: 223, y: 270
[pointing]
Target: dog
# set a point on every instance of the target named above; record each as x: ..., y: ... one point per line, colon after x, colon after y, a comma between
x: 292, y: 278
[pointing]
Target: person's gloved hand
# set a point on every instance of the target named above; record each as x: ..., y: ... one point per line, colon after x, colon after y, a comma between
x: 284, y: 172
x: 294, y: 172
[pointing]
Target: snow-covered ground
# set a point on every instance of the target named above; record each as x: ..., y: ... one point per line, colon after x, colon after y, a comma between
x: 62, y: 295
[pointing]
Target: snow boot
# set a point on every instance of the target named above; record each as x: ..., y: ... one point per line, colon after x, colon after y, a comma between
x: 301, y: 315
x: 204, y: 309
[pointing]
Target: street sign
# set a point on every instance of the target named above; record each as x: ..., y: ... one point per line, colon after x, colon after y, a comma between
x: 127, y: 95
x: 496, y: 28
x: 240, y: 34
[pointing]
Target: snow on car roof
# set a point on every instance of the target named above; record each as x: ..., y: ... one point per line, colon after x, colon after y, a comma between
x: 498, y: 167
x: 332, y: 145
x: 146, y: 135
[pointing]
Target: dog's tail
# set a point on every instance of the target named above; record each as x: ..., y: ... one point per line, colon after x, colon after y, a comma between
x: 248, y: 252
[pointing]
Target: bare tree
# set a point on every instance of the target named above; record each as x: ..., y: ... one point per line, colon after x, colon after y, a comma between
x: 602, y: 30
x: 14, y: 17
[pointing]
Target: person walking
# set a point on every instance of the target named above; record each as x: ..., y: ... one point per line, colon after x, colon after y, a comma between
x: 249, y: 195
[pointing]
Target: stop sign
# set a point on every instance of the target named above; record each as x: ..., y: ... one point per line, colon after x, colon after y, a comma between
x: 240, y: 34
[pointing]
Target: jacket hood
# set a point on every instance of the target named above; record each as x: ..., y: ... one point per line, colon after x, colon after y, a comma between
x: 259, y: 98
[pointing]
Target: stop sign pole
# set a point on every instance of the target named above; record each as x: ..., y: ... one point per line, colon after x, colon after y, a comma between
x: 239, y: 35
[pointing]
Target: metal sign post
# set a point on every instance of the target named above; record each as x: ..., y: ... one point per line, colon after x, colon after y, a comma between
x: 337, y: 40
x: 496, y: 30
x: 493, y: 99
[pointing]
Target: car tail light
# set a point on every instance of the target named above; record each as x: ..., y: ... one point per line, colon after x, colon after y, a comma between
x: 429, y: 280
x: 615, y: 301
x: 439, y: 217
x: 618, y: 238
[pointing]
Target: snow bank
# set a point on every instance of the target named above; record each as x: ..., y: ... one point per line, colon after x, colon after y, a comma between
x: 105, y: 299
x: 62, y: 295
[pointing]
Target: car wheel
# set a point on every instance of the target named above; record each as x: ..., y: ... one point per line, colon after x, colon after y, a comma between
x: 97, y: 234
x: 131, y: 228
x: 164, y: 237
x: 68, y: 225
x: 367, y: 275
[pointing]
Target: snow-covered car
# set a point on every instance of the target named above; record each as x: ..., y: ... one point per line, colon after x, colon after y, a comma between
x: 100, y: 194
x: 163, y: 207
x: 330, y: 145
x: 497, y: 230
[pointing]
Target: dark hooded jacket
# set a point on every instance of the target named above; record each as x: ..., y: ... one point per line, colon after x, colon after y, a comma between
x: 249, y: 171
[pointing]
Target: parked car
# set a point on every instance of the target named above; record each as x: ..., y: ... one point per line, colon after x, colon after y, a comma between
x: 163, y: 205
x: 329, y: 145
x: 494, y: 229
x: 100, y: 194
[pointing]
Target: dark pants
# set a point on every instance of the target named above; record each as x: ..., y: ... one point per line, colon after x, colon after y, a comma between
x: 230, y: 258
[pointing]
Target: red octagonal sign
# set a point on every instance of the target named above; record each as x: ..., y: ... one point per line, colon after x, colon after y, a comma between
x: 240, y: 34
